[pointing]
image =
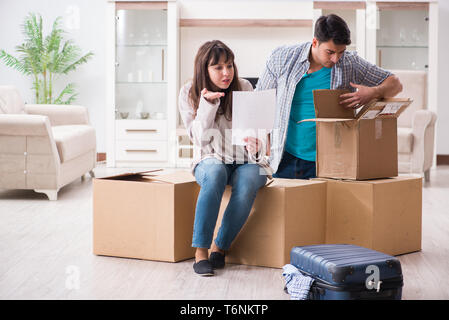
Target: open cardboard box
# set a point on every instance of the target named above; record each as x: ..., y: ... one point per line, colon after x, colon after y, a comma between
x: 145, y: 215
x: 360, y: 145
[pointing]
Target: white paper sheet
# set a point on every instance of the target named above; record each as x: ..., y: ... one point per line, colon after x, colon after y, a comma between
x: 252, y: 114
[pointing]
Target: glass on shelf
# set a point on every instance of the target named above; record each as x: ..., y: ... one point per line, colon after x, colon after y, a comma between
x: 402, y: 39
x: 141, y: 27
x: 402, y: 58
x: 137, y: 64
x: 403, y: 28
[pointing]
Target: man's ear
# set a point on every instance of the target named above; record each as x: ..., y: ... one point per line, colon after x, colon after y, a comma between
x: 315, y: 42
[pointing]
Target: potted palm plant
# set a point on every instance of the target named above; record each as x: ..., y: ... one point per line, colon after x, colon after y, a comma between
x: 44, y: 59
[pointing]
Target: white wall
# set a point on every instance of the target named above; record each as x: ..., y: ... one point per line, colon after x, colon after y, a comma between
x: 84, y: 20
x: 251, y: 46
x: 246, y: 9
x: 442, y: 134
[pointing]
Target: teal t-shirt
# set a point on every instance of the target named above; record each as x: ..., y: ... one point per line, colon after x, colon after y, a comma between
x: 301, y: 137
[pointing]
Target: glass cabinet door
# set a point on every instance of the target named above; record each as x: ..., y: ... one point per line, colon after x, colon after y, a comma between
x: 402, y: 39
x: 141, y: 64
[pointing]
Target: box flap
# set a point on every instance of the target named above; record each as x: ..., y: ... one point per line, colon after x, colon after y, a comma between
x: 384, y: 108
x: 328, y: 108
x: 173, y: 178
x: 128, y: 174
x: 327, y: 104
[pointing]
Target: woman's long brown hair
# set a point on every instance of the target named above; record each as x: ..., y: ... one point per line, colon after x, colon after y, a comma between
x: 209, y: 54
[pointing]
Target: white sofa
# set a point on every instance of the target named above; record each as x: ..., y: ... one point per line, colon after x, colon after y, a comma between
x: 43, y: 147
x: 416, y: 125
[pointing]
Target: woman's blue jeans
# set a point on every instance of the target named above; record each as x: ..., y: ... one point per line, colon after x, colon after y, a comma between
x: 213, y: 176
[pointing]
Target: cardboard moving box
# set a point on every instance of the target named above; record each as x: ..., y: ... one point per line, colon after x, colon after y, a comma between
x: 383, y: 215
x: 353, y: 145
x: 286, y: 213
x: 145, y: 216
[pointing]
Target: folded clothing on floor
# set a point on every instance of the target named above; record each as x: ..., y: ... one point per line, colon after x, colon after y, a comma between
x: 297, y: 284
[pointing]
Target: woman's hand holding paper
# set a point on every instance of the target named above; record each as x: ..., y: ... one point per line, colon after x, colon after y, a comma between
x: 253, y: 145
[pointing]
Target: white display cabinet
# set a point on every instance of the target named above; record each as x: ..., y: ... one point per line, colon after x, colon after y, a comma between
x: 402, y: 36
x: 142, y: 83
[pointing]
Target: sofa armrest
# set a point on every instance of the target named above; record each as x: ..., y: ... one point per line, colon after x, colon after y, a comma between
x: 60, y: 114
x: 24, y: 125
x: 37, y: 137
x: 423, y: 129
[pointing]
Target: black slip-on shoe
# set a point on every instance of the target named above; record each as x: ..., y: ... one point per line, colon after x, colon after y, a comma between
x: 203, y: 268
x: 217, y: 260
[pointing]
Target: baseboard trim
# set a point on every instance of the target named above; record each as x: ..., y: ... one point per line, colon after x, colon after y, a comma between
x: 442, y: 159
x: 101, y: 156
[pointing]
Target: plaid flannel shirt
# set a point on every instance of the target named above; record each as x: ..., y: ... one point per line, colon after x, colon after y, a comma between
x: 297, y: 284
x: 285, y: 68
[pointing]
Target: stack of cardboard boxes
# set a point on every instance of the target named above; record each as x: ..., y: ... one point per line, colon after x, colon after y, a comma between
x: 356, y: 199
x: 367, y: 203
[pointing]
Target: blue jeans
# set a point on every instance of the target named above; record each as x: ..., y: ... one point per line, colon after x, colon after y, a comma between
x: 295, y: 168
x: 213, y: 176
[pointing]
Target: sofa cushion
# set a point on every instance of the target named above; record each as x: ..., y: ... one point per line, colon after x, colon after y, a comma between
x: 73, y: 140
x: 405, y: 140
x: 10, y: 100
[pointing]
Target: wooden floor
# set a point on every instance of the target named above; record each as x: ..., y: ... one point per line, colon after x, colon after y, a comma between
x: 46, y: 253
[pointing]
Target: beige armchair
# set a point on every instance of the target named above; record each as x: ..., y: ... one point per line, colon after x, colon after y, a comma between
x: 416, y: 125
x: 43, y: 147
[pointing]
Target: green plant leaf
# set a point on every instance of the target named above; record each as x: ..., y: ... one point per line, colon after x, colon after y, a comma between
x: 12, y: 61
x: 80, y: 61
x: 46, y: 58
x: 32, y: 30
x: 69, y: 89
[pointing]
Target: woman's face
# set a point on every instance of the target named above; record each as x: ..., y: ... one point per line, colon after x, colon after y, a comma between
x: 222, y: 73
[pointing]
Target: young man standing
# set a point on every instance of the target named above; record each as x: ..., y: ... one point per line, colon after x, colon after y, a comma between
x: 295, y: 71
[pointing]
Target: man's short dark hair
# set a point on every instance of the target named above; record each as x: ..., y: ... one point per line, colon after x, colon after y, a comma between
x: 332, y: 27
